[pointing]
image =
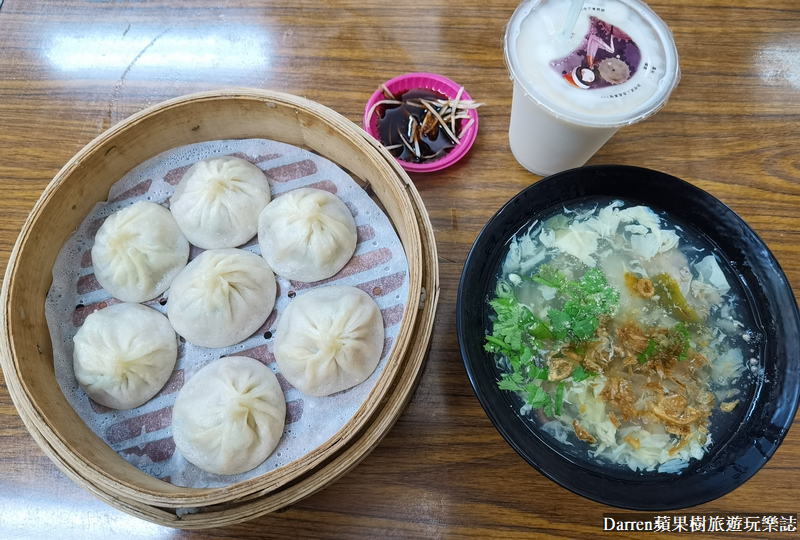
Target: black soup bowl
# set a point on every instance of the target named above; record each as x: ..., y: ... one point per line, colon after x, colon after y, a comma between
x: 770, y: 403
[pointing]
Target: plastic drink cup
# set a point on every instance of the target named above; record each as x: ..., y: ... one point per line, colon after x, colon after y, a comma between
x: 618, y: 67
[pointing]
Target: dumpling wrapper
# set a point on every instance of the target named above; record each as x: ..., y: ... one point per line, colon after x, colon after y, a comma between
x: 307, y: 234
x: 229, y: 417
x: 124, y: 354
x: 138, y: 251
x: 221, y: 297
x: 708, y: 268
x: 329, y: 339
x: 218, y: 200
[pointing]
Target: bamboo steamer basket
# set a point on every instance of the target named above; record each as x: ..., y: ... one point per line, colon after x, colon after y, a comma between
x: 27, y: 359
x: 262, y: 503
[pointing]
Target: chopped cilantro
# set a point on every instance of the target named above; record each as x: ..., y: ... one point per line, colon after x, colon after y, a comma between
x: 559, y: 324
x: 509, y: 314
x: 580, y: 374
x: 594, y: 282
x: 648, y: 352
x: 508, y: 381
x: 537, y: 372
x: 519, y: 335
x: 585, y: 301
x: 536, y: 396
x: 540, y: 330
x: 551, y: 277
x: 583, y: 329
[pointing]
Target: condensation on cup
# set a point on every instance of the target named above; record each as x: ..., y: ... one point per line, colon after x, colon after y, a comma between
x: 618, y: 67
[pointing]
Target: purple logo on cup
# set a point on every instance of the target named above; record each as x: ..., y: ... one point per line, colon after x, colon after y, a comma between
x: 608, y: 56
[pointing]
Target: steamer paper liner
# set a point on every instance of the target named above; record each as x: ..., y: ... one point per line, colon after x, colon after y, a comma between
x: 142, y: 436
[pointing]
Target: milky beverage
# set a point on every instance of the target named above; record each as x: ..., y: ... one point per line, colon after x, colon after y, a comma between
x: 617, y: 68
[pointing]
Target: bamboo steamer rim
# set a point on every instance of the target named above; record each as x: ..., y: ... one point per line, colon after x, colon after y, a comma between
x: 307, y: 113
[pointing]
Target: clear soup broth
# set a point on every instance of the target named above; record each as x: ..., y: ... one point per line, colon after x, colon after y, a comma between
x: 623, y: 336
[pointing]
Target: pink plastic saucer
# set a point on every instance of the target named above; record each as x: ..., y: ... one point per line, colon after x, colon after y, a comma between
x: 437, y: 83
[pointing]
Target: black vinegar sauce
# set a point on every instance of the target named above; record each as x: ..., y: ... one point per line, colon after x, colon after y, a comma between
x: 393, y: 120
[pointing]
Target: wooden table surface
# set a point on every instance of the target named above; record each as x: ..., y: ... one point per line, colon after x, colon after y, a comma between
x: 71, y: 69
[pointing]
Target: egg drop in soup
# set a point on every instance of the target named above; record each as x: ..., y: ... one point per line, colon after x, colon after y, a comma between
x: 622, y: 336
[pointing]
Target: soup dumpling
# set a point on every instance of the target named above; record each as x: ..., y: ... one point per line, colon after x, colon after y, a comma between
x: 124, y: 354
x: 229, y: 417
x: 329, y: 339
x: 218, y: 200
x: 307, y: 234
x: 138, y: 251
x: 221, y: 297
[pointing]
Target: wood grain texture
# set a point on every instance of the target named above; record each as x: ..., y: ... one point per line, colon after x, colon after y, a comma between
x: 731, y: 128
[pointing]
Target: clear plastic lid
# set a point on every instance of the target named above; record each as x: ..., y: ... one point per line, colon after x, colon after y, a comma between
x: 618, y: 67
